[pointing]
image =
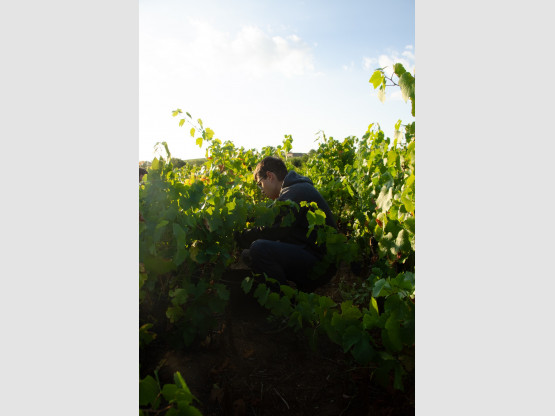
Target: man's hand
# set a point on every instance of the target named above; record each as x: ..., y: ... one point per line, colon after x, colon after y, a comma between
x: 246, y: 237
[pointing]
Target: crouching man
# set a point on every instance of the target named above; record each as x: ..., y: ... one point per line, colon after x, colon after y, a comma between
x: 286, y: 253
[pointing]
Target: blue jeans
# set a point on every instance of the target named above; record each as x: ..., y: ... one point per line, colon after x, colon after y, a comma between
x: 284, y: 261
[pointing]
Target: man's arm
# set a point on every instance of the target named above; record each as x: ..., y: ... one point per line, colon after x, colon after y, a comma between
x: 292, y: 235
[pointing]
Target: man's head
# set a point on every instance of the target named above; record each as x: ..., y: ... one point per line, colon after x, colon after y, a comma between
x: 269, y: 175
x: 142, y: 172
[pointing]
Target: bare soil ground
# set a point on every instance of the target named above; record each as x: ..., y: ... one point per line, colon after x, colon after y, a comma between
x: 244, y: 368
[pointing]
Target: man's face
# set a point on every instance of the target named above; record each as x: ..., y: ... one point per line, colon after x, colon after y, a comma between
x: 269, y: 185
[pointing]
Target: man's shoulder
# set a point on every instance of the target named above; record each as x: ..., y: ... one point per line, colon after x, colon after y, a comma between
x: 302, y: 191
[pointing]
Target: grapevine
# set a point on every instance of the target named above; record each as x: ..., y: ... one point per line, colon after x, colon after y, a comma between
x: 192, y: 212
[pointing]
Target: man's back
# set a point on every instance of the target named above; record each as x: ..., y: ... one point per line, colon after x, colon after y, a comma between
x: 299, y: 188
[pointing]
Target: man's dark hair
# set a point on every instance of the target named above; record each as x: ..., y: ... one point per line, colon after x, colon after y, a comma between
x: 142, y: 171
x: 270, y: 164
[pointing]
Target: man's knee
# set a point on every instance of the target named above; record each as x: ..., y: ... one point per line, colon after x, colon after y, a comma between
x: 259, y: 252
x: 258, y: 249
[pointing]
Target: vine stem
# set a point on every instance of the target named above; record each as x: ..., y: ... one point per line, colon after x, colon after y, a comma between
x: 393, y: 83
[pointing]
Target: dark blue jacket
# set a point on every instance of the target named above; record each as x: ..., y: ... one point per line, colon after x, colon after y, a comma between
x: 299, y: 188
x: 295, y: 188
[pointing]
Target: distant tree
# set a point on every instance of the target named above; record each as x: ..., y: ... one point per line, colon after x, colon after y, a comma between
x: 297, y: 161
x: 178, y: 163
x: 195, y: 162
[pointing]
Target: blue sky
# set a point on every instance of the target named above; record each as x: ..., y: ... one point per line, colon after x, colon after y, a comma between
x: 254, y: 71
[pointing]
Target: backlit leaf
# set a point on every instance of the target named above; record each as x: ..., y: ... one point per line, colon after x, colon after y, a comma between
x: 376, y: 79
x: 406, y: 82
x: 231, y: 206
x: 381, y: 94
x: 374, y: 306
x: 180, y: 382
x: 155, y: 164
x: 385, y: 199
x: 209, y: 133
x: 403, y: 241
x: 399, y: 69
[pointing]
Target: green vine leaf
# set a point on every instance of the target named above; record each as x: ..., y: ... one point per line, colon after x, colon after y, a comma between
x: 148, y: 391
x: 381, y: 94
x: 209, y: 134
x: 385, y: 199
x: 406, y: 82
x: 377, y: 79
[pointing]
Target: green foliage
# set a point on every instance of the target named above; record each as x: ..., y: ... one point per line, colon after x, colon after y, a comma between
x: 367, y: 333
x: 369, y: 184
x: 405, y: 80
x: 178, y: 163
x: 175, y: 399
x: 145, y: 335
x: 192, y: 210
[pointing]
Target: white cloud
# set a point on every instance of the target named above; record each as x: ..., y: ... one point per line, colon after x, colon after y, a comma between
x: 250, y: 86
x: 250, y: 51
x: 221, y: 75
x: 202, y: 49
x: 257, y: 53
x: 409, y: 55
x: 294, y: 38
x: 369, y: 64
x: 406, y: 58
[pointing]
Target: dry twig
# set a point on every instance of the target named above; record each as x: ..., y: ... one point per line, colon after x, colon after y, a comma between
x: 277, y: 392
